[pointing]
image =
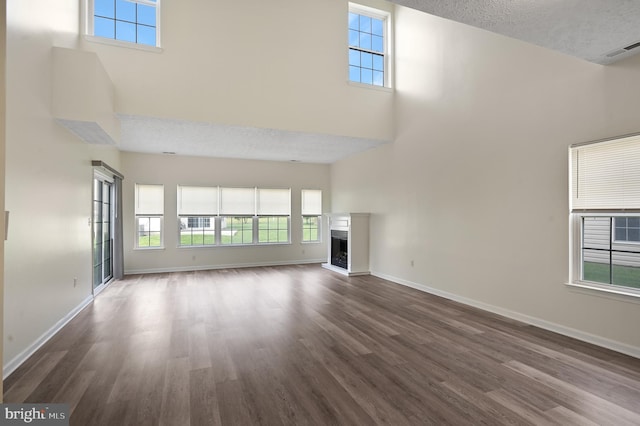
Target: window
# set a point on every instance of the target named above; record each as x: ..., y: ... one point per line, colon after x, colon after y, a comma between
x: 237, y: 208
x: 274, y: 210
x: 605, y: 208
x: 149, y: 211
x: 197, y: 208
x: 133, y: 21
x: 368, y: 52
x: 311, y: 215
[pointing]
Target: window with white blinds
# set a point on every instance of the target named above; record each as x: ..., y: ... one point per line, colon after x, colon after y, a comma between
x: 212, y: 215
x: 605, y: 206
x: 311, y: 215
x: 149, y: 211
x: 197, y: 208
x: 606, y: 175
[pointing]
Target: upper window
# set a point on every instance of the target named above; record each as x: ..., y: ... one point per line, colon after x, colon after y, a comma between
x: 368, y: 40
x: 133, y: 21
x: 149, y: 215
x: 605, y: 200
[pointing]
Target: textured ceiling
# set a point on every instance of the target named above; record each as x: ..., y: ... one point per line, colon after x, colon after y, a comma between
x: 155, y: 135
x: 593, y: 30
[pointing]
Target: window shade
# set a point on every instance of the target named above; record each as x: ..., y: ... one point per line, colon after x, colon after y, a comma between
x: 606, y: 175
x: 197, y: 200
x: 311, y: 202
x: 238, y: 201
x: 149, y: 199
x: 274, y: 202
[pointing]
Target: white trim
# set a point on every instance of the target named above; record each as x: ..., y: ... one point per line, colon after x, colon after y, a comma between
x: 343, y: 271
x: 633, y: 351
x: 121, y: 43
x: 370, y: 86
x: 228, y: 266
x: 12, y: 365
x: 621, y: 293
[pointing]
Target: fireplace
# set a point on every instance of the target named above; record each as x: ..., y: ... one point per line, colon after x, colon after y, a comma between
x: 339, y: 248
x: 348, y: 243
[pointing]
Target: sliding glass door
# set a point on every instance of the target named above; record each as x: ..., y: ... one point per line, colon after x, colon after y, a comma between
x: 103, y: 213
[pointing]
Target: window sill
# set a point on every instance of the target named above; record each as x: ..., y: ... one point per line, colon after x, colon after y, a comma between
x: 628, y: 295
x: 370, y: 86
x: 120, y: 43
x: 148, y: 248
x: 311, y: 242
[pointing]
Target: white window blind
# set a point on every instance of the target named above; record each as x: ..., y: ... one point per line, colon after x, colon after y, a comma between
x: 274, y: 202
x: 197, y: 200
x: 606, y: 175
x: 149, y: 199
x: 238, y: 201
x: 311, y: 202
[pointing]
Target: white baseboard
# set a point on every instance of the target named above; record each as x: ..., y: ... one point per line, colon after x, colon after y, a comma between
x: 633, y: 351
x: 11, y: 366
x: 229, y: 266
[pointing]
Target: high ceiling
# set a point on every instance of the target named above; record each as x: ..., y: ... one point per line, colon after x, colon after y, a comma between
x: 594, y: 30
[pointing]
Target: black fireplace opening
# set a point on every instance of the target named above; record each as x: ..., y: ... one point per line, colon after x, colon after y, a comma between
x: 339, y: 250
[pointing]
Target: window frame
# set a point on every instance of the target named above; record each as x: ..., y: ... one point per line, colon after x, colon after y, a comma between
x: 310, y: 209
x: 89, y: 30
x: 137, y: 238
x: 386, y: 17
x: 582, y: 206
x: 577, y: 261
x: 138, y: 216
x: 222, y: 213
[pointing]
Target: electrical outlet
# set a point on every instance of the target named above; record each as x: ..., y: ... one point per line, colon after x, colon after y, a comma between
x: 75, y: 281
x: 412, y: 262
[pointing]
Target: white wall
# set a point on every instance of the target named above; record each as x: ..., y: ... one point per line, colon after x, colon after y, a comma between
x: 179, y: 170
x: 271, y: 64
x: 48, y: 182
x: 474, y: 189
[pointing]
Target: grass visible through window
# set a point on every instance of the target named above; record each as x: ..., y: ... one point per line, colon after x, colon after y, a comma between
x: 626, y: 276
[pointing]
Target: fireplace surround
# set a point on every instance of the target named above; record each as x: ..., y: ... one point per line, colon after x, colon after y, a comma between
x: 348, y: 243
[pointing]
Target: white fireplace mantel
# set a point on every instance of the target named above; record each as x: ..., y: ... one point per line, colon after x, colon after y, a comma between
x: 355, y: 226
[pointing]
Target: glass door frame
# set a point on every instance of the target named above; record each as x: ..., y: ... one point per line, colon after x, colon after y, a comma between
x: 110, y: 181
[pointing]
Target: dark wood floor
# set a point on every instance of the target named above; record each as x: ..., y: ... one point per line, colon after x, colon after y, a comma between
x: 302, y: 345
